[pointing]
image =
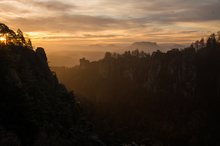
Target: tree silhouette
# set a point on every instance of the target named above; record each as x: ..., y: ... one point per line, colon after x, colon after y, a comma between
x: 211, y: 40
x: 8, y: 36
x: 196, y: 45
x: 218, y: 35
x: 202, y: 43
x: 29, y: 44
x: 20, y: 37
x: 108, y: 55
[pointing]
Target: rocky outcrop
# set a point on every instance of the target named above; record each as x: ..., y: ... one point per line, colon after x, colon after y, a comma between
x: 35, y: 109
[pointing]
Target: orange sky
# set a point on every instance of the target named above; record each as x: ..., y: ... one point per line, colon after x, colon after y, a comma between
x: 55, y: 23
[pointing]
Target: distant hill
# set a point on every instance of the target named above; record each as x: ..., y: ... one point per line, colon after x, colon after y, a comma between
x: 168, y: 46
x: 150, y: 47
x: 147, y: 47
x: 70, y: 56
x: 105, y: 47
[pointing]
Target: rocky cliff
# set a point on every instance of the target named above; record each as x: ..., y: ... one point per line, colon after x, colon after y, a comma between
x: 35, y: 109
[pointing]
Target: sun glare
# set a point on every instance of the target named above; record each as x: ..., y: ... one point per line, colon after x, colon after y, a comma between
x: 2, y: 39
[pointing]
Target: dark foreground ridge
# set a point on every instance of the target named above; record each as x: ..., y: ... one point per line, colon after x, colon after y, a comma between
x: 35, y: 109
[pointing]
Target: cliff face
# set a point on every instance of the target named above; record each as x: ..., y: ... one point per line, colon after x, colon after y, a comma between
x: 35, y: 109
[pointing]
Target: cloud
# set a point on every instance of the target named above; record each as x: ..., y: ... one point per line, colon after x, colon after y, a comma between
x: 169, y: 10
x: 100, y: 36
x: 54, y: 5
x: 75, y: 23
x: 112, y: 11
x: 99, y: 19
x: 12, y: 7
x: 198, y: 13
x: 84, y: 36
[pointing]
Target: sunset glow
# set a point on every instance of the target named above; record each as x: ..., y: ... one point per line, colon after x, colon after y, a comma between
x: 111, y: 21
x: 2, y: 39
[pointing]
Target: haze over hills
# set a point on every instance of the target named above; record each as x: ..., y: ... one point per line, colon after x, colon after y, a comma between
x: 71, y: 56
x: 147, y: 47
x: 162, y: 99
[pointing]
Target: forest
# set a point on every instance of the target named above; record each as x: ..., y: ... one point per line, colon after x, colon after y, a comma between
x: 158, y: 99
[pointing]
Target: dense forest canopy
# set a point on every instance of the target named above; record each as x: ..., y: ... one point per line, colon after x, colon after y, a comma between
x: 165, y: 99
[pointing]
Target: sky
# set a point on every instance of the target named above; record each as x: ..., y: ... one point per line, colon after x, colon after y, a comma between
x: 81, y: 22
